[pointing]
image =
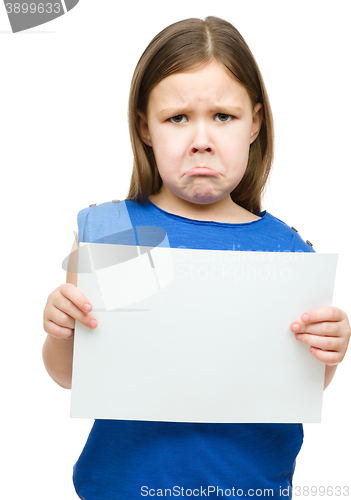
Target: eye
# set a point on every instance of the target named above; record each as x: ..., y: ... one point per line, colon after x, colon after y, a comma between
x: 177, y: 119
x: 222, y: 117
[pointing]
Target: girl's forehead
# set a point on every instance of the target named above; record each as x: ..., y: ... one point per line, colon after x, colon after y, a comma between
x: 210, y: 82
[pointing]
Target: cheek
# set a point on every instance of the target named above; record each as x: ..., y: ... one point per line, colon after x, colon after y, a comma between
x: 235, y: 150
x: 168, y: 150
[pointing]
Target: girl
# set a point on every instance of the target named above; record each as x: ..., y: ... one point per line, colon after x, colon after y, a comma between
x: 202, y: 137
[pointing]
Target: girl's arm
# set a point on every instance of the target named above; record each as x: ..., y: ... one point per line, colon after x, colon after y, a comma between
x: 58, y: 359
x: 327, y: 331
x: 64, y: 305
x: 329, y: 374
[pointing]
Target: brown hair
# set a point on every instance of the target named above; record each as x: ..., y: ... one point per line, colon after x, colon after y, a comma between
x: 183, y: 46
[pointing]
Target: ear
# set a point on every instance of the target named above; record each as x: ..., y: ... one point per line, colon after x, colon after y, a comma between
x: 256, y: 121
x: 144, y: 128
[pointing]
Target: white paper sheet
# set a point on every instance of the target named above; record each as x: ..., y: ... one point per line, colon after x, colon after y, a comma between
x: 199, y: 336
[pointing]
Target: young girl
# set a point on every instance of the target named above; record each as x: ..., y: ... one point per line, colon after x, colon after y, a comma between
x: 202, y: 137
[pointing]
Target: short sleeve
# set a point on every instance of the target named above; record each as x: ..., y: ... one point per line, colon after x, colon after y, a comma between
x: 104, y: 223
x: 81, y: 219
x: 299, y: 245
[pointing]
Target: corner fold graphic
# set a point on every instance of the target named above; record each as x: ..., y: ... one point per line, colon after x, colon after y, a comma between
x: 25, y: 15
x: 70, y: 4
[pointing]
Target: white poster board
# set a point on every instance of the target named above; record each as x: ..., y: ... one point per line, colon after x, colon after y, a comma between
x: 199, y: 335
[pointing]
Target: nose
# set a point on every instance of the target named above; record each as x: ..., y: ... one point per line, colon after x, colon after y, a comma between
x: 201, y: 142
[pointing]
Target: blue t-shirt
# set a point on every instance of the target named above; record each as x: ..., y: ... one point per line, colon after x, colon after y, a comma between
x: 135, y: 459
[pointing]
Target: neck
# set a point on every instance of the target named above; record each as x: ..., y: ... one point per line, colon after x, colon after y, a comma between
x: 224, y: 210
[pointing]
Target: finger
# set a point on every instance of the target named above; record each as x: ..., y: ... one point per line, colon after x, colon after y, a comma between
x: 62, y: 319
x: 325, y: 343
x: 72, y: 293
x: 327, y: 357
x: 329, y: 313
x: 68, y: 306
x: 69, y: 310
x: 327, y: 328
x: 57, y: 331
x: 63, y: 312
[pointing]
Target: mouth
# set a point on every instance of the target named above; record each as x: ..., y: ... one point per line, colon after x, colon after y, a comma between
x: 202, y: 171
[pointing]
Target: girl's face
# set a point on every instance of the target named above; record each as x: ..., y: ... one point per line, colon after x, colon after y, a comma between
x: 200, y: 124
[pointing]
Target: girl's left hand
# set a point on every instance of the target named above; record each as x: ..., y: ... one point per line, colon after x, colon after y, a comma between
x: 327, y: 331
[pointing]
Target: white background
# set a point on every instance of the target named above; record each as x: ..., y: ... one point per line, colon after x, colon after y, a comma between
x: 65, y: 144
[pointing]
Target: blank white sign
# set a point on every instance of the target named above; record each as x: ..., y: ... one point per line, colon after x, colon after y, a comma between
x: 206, y: 337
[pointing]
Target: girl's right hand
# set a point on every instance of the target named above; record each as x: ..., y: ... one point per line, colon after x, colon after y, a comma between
x: 65, y: 305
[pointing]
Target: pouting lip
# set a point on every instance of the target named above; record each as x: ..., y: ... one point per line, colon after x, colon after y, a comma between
x: 201, y: 167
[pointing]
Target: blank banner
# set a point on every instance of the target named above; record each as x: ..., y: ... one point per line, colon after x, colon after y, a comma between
x: 205, y: 337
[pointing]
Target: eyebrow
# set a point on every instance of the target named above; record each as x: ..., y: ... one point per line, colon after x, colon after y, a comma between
x: 184, y: 110
x: 172, y: 111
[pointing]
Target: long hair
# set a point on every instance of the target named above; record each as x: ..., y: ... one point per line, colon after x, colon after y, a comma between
x: 182, y: 46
